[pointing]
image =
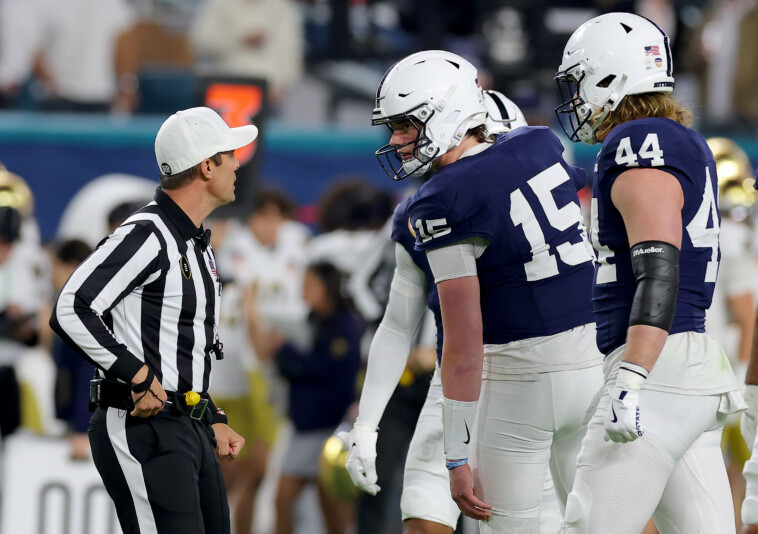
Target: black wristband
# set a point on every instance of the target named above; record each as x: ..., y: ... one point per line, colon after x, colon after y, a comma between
x: 217, y: 414
x: 144, y: 386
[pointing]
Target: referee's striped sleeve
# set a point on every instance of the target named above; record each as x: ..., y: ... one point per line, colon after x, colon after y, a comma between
x: 131, y: 257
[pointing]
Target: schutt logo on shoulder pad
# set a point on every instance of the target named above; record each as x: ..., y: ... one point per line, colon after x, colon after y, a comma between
x: 649, y: 250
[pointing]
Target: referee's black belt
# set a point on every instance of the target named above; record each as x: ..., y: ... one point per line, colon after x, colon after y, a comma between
x: 112, y: 394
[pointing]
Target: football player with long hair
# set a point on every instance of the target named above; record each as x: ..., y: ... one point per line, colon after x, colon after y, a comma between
x: 652, y: 445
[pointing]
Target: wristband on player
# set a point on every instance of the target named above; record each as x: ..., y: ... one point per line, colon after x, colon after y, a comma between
x: 144, y: 386
x: 453, y: 465
x: 457, y: 423
x: 631, y: 376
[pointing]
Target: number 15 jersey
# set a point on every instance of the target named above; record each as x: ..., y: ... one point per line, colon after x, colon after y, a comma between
x: 666, y: 145
x: 520, y: 196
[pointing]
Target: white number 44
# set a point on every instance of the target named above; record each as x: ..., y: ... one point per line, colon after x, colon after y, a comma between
x: 650, y: 149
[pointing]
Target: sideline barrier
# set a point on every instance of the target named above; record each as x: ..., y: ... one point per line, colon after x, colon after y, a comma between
x: 45, y: 492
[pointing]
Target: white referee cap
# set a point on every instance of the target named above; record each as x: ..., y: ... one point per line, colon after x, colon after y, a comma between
x: 190, y: 136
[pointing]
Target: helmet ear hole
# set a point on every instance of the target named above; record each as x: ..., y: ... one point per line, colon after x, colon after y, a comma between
x: 605, y: 82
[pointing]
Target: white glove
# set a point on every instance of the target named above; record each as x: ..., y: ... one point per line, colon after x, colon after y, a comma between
x: 749, y: 416
x: 361, y: 462
x: 622, y: 419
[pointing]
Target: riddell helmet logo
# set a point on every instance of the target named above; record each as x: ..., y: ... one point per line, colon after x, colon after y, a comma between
x: 647, y: 251
x: 166, y: 169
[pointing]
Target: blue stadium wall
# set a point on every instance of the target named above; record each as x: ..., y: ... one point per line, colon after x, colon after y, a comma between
x: 58, y: 154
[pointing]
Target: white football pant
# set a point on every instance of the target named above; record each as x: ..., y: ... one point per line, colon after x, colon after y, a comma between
x: 426, y: 485
x: 674, y: 473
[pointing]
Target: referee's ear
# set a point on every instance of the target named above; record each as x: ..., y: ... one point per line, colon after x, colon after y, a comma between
x: 205, y: 169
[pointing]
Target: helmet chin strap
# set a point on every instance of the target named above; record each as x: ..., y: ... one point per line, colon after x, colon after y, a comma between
x: 418, y: 171
x: 586, y: 133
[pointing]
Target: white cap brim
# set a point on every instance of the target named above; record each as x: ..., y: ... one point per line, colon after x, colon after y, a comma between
x: 241, y: 136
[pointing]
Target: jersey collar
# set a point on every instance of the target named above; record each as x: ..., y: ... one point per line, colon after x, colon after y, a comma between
x: 176, y: 215
x: 476, y: 149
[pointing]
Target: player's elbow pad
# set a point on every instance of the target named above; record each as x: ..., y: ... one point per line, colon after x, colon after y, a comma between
x: 656, y: 267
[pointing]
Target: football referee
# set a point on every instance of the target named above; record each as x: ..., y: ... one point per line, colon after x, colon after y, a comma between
x: 144, y: 309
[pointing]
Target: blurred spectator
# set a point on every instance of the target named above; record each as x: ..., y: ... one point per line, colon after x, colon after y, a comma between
x: 261, y: 265
x: 268, y: 252
x: 350, y: 213
x: 369, y: 288
x: 154, y: 63
x: 241, y: 383
x: 121, y: 212
x: 662, y: 13
x: 18, y: 318
x: 322, y: 387
x: 25, y: 275
x: 28, y: 254
x: 18, y: 20
x: 76, y: 52
x: 73, y: 371
x: 731, y: 315
x: 257, y: 38
x: 262, y: 275
x: 726, y: 57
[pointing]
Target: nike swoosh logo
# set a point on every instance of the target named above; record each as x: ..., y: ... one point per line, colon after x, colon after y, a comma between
x: 614, y: 419
x: 468, y: 436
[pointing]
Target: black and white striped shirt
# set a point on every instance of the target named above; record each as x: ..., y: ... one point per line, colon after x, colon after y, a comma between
x: 148, y: 294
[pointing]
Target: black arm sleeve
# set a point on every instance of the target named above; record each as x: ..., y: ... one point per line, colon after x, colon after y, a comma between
x: 656, y: 267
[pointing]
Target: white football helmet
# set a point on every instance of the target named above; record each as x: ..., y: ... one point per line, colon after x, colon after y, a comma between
x: 606, y: 59
x: 440, y: 94
x: 503, y: 115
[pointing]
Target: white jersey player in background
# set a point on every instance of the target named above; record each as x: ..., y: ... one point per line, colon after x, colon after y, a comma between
x: 748, y: 424
x: 730, y: 317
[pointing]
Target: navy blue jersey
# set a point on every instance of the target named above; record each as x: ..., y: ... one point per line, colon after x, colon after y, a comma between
x: 683, y: 153
x: 519, y: 194
x: 322, y: 378
x: 403, y: 234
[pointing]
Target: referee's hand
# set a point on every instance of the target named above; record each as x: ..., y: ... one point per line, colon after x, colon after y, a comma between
x: 150, y: 402
x: 228, y: 442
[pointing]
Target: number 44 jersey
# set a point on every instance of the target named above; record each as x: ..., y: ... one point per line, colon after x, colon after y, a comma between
x: 682, y: 152
x: 519, y: 198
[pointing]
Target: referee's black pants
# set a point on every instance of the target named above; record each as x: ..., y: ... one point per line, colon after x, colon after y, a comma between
x: 162, y: 473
